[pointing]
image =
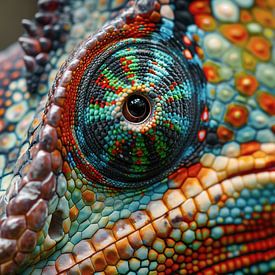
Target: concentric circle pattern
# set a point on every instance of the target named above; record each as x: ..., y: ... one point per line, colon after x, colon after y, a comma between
x: 124, y: 151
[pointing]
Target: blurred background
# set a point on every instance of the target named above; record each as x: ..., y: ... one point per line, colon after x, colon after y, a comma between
x: 11, y: 14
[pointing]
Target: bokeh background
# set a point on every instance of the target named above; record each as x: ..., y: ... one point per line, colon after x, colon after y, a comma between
x: 11, y: 14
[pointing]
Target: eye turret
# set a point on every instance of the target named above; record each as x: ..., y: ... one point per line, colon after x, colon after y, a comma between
x: 132, y: 100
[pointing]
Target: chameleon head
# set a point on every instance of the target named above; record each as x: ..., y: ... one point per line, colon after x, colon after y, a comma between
x: 144, y: 161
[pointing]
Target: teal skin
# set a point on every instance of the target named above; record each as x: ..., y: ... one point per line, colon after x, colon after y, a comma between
x: 219, y: 188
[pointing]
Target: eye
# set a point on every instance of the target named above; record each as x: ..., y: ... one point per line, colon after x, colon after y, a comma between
x: 136, y: 108
x: 131, y: 103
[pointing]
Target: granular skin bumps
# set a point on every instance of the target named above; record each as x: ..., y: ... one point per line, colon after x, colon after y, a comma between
x: 137, y: 137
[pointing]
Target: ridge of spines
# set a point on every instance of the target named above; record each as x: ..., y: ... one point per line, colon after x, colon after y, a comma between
x: 42, y: 35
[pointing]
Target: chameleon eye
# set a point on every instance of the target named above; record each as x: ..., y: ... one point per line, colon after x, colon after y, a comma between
x: 136, y: 108
x: 130, y: 106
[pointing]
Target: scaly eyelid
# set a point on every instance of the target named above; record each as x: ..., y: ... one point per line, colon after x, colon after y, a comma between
x: 141, y: 49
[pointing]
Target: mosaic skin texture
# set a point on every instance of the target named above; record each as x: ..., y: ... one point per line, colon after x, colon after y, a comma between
x: 181, y: 183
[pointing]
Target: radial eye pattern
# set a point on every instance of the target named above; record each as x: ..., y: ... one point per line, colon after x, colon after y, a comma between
x: 131, y: 102
x: 126, y: 151
x: 137, y: 108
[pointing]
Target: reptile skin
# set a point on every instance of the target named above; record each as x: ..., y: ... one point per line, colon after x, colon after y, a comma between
x: 181, y: 184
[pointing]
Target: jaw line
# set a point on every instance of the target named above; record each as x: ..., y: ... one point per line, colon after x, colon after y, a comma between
x: 230, y: 187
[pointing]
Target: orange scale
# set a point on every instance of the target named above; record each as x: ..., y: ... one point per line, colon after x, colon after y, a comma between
x: 216, y: 259
x: 187, y: 252
x: 267, y: 102
x: 236, y: 33
x: 201, y: 264
x: 236, y: 115
x: 211, y: 72
x: 264, y: 17
x: 11, y: 128
x: 224, y: 268
x: 169, y: 262
x: 199, y: 7
x: 189, y: 266
x: 160, y: 268
x: 168, y: 271
x: 270, y: 3
x: 99, y: 261
x: 15, y: 75
x: 186, y: 40
x: 66, y: 170
x: 246, y: 84
x: 8, y: 94
x: 199, y: 52
x: 187, y: 54
x: 246, y: 16
x: 180, y: 259
x: 73, y: 213
x: 261, y: 3
x: 88, y: 196
x: 260, y: 47
x: 8, y: 103
x: 175, y: 267
x: 194, y: 170
x: 180, y: 176
x: 249, y: 148
x: 2, y: 125
x: 195, y: 255
x: 205, y: 22
x: 230, y: 265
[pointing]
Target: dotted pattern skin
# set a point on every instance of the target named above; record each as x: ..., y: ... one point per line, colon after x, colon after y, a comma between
x: 187, y: 190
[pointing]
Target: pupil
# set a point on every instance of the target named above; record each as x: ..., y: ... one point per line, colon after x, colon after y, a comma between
x: 136, y: 109
x: 137, y: 105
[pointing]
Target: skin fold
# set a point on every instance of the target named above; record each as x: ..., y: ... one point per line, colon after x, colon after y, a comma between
x: 87, y: 188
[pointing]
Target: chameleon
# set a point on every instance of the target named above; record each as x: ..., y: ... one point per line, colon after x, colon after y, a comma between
x: 137, y: 137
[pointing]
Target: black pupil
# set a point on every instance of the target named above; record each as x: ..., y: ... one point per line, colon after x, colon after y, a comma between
x: 137, y: 105
x: 136, y: 109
